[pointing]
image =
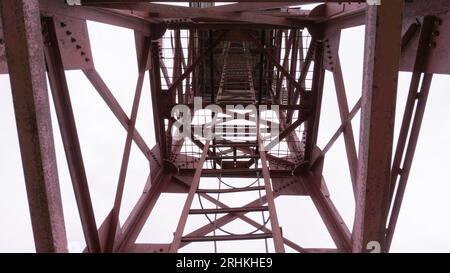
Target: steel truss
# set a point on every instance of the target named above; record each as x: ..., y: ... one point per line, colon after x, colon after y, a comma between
x: 246, y: 53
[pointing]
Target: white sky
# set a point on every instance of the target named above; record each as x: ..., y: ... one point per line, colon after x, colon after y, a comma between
x: 423, y: 225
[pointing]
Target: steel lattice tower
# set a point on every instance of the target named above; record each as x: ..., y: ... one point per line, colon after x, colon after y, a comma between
x: 250, y: 53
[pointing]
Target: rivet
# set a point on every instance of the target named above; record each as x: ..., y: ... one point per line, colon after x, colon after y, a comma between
x: 63, y: 24
x: 78, y: 46
x: 68, y: 33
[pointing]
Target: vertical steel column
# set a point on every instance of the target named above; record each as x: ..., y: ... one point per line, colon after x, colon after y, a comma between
x: 69, y: 135
x: 155, y: 86
x: 261, y: 66
x: 25, y: 57
x: 193, y: 46
x: 294, y: 64
x: 177, y: 64
x: 312, y: 125
x: 381, y: 65
x: 303, y: 73
x: 211, y: 61
x: 287, y: 51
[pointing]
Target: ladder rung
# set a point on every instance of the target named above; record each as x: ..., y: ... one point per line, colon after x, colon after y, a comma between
x: 232, y: 157
x: 233, y: 171
x: 236, y: 126
x: 235, y: 99
x: 236, y: 134
x: 240, y: 92
x: 256, y: 236
x: 258, y: 188
x: 235, y: 102
x: 234, y: 144
x: 228, y: 210
x: 237, y: 145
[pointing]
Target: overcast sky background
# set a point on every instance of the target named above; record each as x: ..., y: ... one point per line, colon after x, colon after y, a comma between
x: 424, y: 225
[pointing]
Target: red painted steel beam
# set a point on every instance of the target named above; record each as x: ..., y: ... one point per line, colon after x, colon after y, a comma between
x: 275, y: 226
x: 191, y: 85
x: 297, y: 46
x: 177, y: 63
x: 67, y: 126
x: 330, y: 215
x: 409, y: 34
x: 421, y: 59
x: 276, y: 230
x: 408, y: 160
x: 52, y: 7
x: 161, y: 12
x: 107, y: 96
x: 226, y: 26
x: 261, y: 70
x: 165, y: 72
x: 141, y: 211
x: 341, y: 128
x: 304, y: 70
x: 127, y: 149
x: 381, y: 66
x: 240, y: 7
x: 416, y: 100
x: 315, y: 100
x: 349, y: 138
x: 156, y: 92
x: 351, y: 16
x: 313, y: 181
x: 25, y: 58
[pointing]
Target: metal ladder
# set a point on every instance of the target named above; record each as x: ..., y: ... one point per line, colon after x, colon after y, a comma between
x: 236, y: 83
x: 236, y: 87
